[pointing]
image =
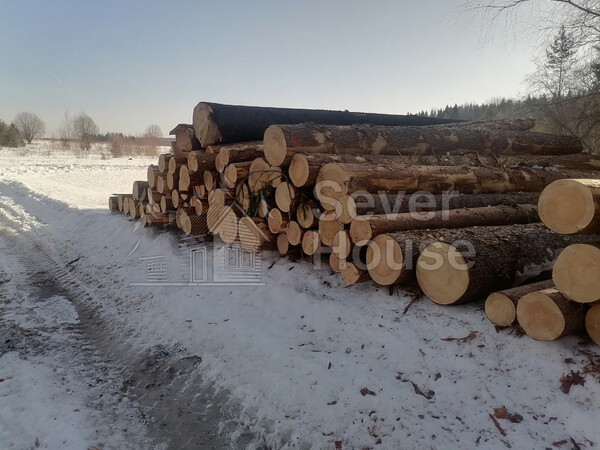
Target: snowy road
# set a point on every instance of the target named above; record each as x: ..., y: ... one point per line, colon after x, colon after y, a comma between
x: 301, y: 362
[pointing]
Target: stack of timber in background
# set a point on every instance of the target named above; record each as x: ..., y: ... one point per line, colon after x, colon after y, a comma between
x: 370, y: 194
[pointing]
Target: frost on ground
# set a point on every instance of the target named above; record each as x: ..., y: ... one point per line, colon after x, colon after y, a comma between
x: 305, y: 360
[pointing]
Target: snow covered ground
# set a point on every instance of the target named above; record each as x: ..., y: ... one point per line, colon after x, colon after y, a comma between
x: 300, y: 361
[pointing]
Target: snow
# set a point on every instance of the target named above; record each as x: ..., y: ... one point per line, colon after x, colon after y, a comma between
x: 297, y: 351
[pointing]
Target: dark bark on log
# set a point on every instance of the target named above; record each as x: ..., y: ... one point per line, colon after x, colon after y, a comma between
x: 216, y: 123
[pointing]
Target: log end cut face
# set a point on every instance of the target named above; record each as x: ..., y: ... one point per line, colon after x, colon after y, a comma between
x: 282, y: 244
x: 274, y: 145
x: 332, y: 183
x: 205, y: 128
x: 592, y: 323
x: 576, y: 272
x: 385, y: 261
x: 500, y: 310
x: 284, y: 196
x: 310, y: 242
x: 294, y: 233
x: 228, y: 228
x: 259, y: 175
x: 442, y: 273
x: 251, y: 236
x: 540, y: 317
x: 360, y: 230
x: 299, y: 170
x: 567, y: 207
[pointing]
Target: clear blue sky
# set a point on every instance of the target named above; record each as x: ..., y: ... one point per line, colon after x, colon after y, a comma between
x: 131, y: 63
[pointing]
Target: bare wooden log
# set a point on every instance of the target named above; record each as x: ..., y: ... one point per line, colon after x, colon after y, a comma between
x: 166, y: 204
x: 180, y: 198
x: 283, y: 244
x: 211, y: 179
x: 592, y: 323
x: 236, y: 172
x: 335, y: 180
x: 153, y: 196
x: 285, y: 194
x: 199, y: 161
x: 305, y: 215
x: 113, y: 203
x: 341, y: 245
x: 133, y: 210
x: 422, y: 201
x: 175, y: 162
x: 159, y: 220
x: 260, y: 176
x: 187, y: 178
x: 277, y: 222
x: 172, y: 180
x: 571, y: 206
x: 185, y: 138
x: 471, y: 263
x: 311, y: 242
x: 304, y: 168
x: 577, y: 272
x: 200, y: 206
x: 352, y: 274
x: 294, y: 233
x: 214, y: 217
x: 163, y: 162
x: 254, y: 234
x: 361, y: 139
x: 151, y: 175
x: 193, y: 224
x: 215, y: 123
x: 546, y: 315
x: 139, y: 190
x: 501, y: 306
x: 328, y: 227
x: 337, y: 264
x: 121, y: 200
x: 228, y: 227
x: 234, y: 153
x: 364, y: 228
x: 242, y: 196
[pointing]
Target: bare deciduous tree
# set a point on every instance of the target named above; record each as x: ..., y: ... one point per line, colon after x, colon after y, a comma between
x: 84, y: 129
x: 151, y: 138
x: 65, y: 131
x: 29, y: 125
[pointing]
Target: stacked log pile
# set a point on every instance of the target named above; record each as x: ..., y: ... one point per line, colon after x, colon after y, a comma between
x: 567, y: 303
x: 383, y: 198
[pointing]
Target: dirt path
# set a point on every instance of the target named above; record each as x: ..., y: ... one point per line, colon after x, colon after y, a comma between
x: 127, y: 399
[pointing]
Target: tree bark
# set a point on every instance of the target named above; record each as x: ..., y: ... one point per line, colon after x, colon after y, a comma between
x: 335, y: 180
x: 304, y: 168
x: 198, y: 162
x: 185, y: 137
x: 364, y: 228
x: 468, y: 264
x: 501, y: 306
x: 409, y: 140
x: 234, y: 153
x: 216, y: 123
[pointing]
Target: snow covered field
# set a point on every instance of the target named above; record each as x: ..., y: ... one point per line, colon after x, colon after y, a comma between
x: 299, y: 362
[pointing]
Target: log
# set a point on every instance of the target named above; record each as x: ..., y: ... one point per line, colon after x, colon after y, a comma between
x: 283, y: 244
x: 351, y: 274
x: 158, y: 220
x: 166, y: 204
x: 121, y: 201
x: 133, y: 210
x: 305, y: 215
x: 261, y: 175
x: 285, y: 194
x: 211, y: 179
x: 592, y: 323
x: 200, y: 206
x: 193, y: 224
x: 361, y: 139
x: 277, y: 176
x: 341, y: 245
x: 228, y: 227
x: 328, y: 227
x: 304, y: 168
x: 180, y: 198
x: 234, y: 153
x: 264, y: 205
x: 200, y: 191
x: 577, y: 272
x: 175, y: 162
x: 113, y: 203
x: 501, y: 306
x: 151, y: 174
x: 294, y: 233
x: 185, y: 137
x: 242, y: 196
x: 471, y: 263
x: 163, y: 162
x: 571, y: 206
x: 216, y: 123
x: 335, y: 180
x: 422, y: 201
x: 172, y: 180
x: 235, y: 173
x: 337, y: 264
x: 547, y: 315
x: 254, y: 235
x: 364, y: 228
x: 187, y: 178
x: 310, y: 242
x: 153, y: 196
x: 277, y: 222
x: 198, y: 162
x: 522, y: 123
